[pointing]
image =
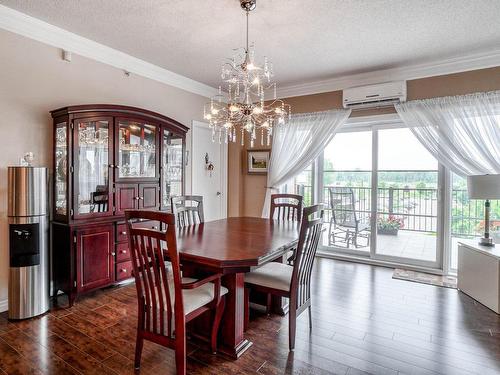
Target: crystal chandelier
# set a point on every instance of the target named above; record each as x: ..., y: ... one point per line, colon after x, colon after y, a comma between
x: 242, y: 106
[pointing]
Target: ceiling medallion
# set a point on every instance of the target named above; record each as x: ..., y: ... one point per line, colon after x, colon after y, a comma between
x: 242, y: 106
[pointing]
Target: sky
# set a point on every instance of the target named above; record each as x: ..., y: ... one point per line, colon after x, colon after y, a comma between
x: 398, y: 150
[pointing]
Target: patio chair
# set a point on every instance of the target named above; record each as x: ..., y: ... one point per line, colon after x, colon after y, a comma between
x: 345, y: 225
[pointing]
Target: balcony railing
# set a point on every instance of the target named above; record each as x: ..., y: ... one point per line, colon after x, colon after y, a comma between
x: 417, y: 207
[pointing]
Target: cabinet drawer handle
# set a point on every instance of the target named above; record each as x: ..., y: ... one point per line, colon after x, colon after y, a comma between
x: 123, y: 270
x: 123, y: 233
x: 113, y: 254
x: 137, y: 198
x: 123, y: 251
x: 141, y: 198
x: 154, y: 227
x: 111, y: 165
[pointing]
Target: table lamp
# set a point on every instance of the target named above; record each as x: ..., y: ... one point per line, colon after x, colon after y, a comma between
x: 485, y: 187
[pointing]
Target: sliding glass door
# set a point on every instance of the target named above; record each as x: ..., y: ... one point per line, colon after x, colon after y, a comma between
x: 346, y: 191
x: 408, y: 205
x: 381, y: 191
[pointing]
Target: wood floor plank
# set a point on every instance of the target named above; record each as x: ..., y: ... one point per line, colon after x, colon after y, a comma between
x: 446, y: 355
x: 292, y: 367
x: 79, y: 360
x: 82, y: 341
x: 14, y: 363
x: 432, y: 363
x: 37, y: 355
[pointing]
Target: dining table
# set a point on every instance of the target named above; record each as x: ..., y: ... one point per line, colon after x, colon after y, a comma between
x: 232, y: 247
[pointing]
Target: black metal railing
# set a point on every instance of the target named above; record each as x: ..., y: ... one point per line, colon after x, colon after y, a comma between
x: 467, y: 216
x: 417, y: 207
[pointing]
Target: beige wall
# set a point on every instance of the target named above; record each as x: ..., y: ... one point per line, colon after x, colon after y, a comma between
x: 34, y: 80
x: 247, y: 192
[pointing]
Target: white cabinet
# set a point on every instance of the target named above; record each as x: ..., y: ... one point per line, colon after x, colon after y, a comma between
x: 479, y: 273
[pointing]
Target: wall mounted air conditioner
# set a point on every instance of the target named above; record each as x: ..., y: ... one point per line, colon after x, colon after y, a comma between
x: 379, y: 95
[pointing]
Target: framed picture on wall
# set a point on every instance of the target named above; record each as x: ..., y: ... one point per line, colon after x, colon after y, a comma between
x: 257, y: 161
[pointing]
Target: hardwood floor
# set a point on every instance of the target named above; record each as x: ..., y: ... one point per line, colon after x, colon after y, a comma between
x: 364, y: 322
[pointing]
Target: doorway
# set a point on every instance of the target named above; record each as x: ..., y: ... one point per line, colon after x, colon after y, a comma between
x: 209, y: 171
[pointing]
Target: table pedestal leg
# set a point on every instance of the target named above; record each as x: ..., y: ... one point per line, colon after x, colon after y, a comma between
x: 232, y: 340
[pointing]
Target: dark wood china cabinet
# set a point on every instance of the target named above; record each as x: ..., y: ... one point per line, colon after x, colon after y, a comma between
x: 108, y: 159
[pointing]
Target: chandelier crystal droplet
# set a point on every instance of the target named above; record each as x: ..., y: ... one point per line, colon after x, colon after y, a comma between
x: 242, y: 107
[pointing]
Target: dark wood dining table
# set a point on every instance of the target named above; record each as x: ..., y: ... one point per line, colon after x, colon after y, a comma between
x: 232, y: 247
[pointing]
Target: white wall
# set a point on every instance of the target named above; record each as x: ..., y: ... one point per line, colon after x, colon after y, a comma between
x: 34, y: 80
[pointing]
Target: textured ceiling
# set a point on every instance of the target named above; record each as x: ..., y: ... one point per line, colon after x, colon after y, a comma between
x: 307, y: 40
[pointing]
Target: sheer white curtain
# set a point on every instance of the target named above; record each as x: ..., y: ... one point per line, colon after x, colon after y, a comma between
x: 462, y: 132
x: 296, y: 145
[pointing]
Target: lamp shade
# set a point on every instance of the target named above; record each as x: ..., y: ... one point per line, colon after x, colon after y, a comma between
x: 484, y: 186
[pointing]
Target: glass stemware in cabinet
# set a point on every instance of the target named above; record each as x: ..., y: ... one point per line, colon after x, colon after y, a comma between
x: 136, y: 150
x: 61, y: 165
x: 172, y: 170
x: 93, y: 160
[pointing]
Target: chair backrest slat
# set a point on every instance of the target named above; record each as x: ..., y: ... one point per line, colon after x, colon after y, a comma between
x: 286, y: 207
x: 188, y: 210
x: 148, y: 249
x: 310, y: 234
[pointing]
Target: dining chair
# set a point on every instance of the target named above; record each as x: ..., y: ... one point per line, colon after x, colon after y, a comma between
x: 166, y: 300
x: 99, y: 199
x: 293, y: 282
x: 188, y: 209
x: 286, y: 207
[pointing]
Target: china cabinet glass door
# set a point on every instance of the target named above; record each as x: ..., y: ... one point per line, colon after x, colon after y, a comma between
x: 61, y: 169
x: 172, y: 166
x: 136, y: 157
x: 92, y: 159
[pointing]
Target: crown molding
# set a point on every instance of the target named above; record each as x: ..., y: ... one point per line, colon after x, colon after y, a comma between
x: 459, y: 64
x: 33, y: 28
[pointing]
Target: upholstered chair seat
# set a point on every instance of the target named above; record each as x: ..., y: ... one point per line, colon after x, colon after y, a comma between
x: 197, y: 297
x: 271, y: 275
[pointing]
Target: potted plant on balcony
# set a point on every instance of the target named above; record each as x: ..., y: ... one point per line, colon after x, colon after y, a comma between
x: 389, y: 225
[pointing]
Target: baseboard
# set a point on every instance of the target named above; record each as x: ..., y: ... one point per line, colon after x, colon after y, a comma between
x: 4, y: 305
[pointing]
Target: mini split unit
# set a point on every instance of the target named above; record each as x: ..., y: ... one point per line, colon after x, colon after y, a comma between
x: 379, y: 95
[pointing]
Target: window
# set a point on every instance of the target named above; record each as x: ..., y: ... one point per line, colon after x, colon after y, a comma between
x: 304, y: 185
x: 467, y: 217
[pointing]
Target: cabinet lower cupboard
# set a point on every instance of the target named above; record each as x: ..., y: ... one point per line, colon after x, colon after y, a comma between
x: 137, y: 197
x: 95, y: 266
x: 108, y: 159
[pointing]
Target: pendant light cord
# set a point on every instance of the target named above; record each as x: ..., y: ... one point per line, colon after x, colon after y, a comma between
x: 247, y: 29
